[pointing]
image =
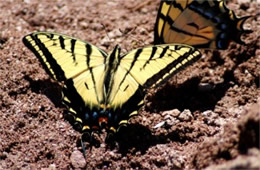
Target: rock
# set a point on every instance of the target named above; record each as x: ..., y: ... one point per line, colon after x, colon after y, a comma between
x: 185, y: 115
x: 210, y: 117
x: 77, y: 159
x: 174, y: 112
x: 250, y: 161
x: 158, y: 125
x: 171, y: 116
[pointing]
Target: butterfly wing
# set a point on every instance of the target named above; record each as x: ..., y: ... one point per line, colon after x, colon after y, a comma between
x: 149, y: 67
x: 78, y: 64
x: 202, y: 24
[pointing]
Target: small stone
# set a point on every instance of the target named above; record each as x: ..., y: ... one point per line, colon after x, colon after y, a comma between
x: 185, y: 115
x: 174, y: 112
x: 114, y: 34
x: 144, y: 10
x: 170, y: 117
x: 210, y: 117
x: 84, y: 24
x: 106, y: 41
x: 77, y: 160
x: 170, y: 120
x: 52, y: 167
x: 143, y: 31
x: 204, y: 87
x: 159, y: 125
x: 96, y: 26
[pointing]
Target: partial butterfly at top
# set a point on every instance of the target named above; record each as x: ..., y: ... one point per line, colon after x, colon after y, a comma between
x: 199, y: 23
x: 104, y: 90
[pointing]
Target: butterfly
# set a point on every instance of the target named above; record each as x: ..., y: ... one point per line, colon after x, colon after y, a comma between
x: 199, y: 23
x: 102, y: 91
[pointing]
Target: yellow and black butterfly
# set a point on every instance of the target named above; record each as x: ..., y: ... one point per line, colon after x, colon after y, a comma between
x: 199, y: 23
x: 104, y: 90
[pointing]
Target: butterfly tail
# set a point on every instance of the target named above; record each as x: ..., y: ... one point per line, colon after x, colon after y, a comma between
x: 240, y: 29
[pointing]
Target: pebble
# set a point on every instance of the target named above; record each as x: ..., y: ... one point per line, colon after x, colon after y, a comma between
x: 185, y: 115
x: 174, y: 112
x: 77, y: 160
x: 170, y: 117
x: 114, y: 34
x: 170, y: 120
x: 159, y: 125
x: 210, y: 117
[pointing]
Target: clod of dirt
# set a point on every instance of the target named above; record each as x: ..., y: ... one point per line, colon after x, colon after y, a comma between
x: 237, y: 139
x: 251, y: 161
x: 185, y: 115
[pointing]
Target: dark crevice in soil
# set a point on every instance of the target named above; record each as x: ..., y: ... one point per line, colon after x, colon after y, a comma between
x: 246, y: 54
x: 216, y: 58
x: 136, y: 165
x: 104, y: 164
x: 10, y: 146
x: 49, y: 155
x: 3, y: 156
x: 16, y: 92
x: 3, y: 40
x: 257, y: 82
x: 225, y: 155
x: 249, y: 136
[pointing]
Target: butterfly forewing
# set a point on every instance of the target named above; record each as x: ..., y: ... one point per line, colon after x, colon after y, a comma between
x: 65, y: 58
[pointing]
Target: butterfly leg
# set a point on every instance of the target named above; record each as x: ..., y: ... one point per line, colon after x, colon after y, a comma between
x: 110, y: 135
x: 87, y: 137
x: 83, y: 145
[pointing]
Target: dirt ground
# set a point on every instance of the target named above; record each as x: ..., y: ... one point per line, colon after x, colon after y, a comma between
x: 205, y: 117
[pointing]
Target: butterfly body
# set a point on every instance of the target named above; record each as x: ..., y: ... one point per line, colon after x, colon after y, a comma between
x: 104, y: 90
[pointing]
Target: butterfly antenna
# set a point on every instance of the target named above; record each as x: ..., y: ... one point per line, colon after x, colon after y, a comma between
x: 141, y: 5
x: 106, y: 31
x: 128, y: 33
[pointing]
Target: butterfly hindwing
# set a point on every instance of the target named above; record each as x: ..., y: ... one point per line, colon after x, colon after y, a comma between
x: 202, y: 24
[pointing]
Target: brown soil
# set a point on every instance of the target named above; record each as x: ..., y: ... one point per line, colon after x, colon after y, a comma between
x: 207, y: 116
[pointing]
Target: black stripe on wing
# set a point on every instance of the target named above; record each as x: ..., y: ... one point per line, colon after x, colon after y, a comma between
x: 137, y: 53
x: 88, y: 54
x: 54, y: 69
x: 159, y: 78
